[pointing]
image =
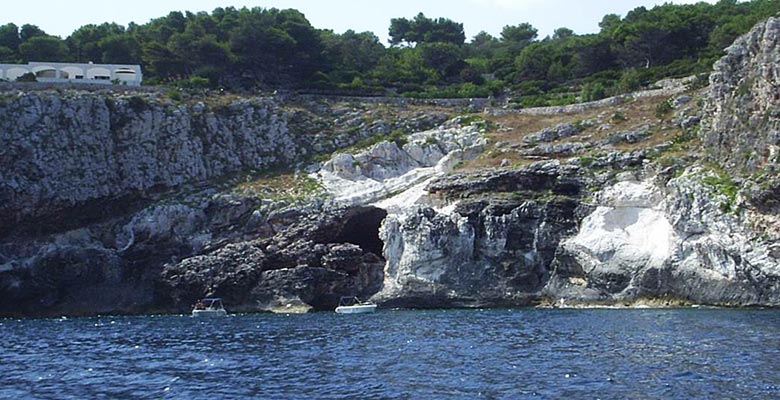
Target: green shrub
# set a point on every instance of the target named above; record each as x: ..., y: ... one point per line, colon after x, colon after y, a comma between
x: 199, y: 82
x: 593, y: 91
x: 111, y: 105
x: 701, y: 80
x: 532, y: 88
x: 583, y: 125
x: 173, y: 94
x: 724, y: 185
x: 586, y: 161
x: 137, y: 104
x: 531, y: 101
x: 663, y: 109
x: 618, y: 116
x: 398, y: 136
x: 630, y: 81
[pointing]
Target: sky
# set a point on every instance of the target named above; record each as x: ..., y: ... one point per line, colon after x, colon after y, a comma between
x: 61, y: 18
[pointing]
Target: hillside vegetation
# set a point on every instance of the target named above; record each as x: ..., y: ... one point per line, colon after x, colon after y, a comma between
x: 257, y: 48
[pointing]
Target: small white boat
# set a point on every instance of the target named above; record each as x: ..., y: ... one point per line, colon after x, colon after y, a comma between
x: 209, y: 307
x: 353, y: 305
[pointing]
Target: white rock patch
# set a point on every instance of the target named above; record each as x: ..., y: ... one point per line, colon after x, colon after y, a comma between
x: 394, y: 178
x: 629, y: 229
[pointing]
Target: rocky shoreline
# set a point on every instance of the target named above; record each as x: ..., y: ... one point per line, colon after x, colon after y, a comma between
x: 134, y: 202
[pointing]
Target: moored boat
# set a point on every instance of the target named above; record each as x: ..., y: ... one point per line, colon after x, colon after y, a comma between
x: 353, y: 305
x: 209, y: 307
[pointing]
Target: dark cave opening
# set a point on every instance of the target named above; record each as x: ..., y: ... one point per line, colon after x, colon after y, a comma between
x: 361, y: 228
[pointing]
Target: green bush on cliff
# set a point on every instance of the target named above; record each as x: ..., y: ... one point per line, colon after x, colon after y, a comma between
x: 663, y: 109
x: 723, y: 185
x: 137, y: 104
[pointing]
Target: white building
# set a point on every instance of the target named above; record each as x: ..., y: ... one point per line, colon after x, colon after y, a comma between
x: 129, y: 75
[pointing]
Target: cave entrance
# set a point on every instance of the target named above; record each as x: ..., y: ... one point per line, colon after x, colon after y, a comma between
x: 362, y: 229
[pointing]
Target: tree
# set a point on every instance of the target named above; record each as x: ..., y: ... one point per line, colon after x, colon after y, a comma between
x: 521, y: 34
x: 391, y: 69
x: 594, y: 53
x: 351, y: 54
x: 7, y: 55
x: 513, y: 40
x: 562, y: 33
x: 88, y: 41
x: 120, y: 49
x: 9, y: 37
x: 534, y: 61
x: 161, y: 61
x: 400, y: 31
x: 305, y: 58
x: 275, y: 46
x: 647, y: 38
x: 609, y: 23
x: 443, y: 57
x: 482, y: 45
x: 248, y: 47
x: 30, y: 31
x: 425, y: 30
x: 725, y: 34
x: 44, y: 48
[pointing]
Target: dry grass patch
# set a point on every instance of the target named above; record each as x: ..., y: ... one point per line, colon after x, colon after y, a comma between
x: 512, y: 128
x: 280, y: 185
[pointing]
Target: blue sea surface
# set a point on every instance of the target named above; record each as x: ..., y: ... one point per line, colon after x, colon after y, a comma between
x: 454, y: 354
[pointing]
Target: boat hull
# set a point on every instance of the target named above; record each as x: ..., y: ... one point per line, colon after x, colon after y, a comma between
x: 356, y: 309
x: 208, y: 313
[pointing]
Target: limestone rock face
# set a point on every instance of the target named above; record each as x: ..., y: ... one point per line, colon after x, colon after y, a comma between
x: 725, y: 257
x: 679, y: 246
x: 388, y: 167
x: 626, y: 234
x: 743, y: 130
x: 487, y: 252
x: 641, y: 238
x: 128, y: 203
x: 309, y: 265
x: 57, y: 154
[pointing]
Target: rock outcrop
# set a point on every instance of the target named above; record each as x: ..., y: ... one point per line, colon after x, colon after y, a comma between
x: 491, y: 249
x: 743, y: 129
x: 310, y: 263
x: 673, y: 242
x: 60, y: 155
x: 391, y: 167
x: 129, y: 203
x: 623, y: 237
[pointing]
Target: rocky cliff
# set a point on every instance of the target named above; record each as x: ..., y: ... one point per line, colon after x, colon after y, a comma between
x: 64, y: 153
x: 678, y: 223
x: 137, y: 203
x: 741, y: 132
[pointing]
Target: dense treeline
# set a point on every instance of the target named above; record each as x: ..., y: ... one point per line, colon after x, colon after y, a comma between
x: 270, y: 48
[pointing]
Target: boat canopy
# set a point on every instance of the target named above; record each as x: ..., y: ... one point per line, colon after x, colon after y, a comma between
x: 208, y: 303
x: 349, y: 300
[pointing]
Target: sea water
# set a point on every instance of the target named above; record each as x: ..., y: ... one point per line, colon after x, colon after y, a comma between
x: 455, y: 354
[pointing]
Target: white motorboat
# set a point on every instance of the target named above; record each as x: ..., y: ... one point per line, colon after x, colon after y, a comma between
x: 209, y: 307
x: 353, y: 305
